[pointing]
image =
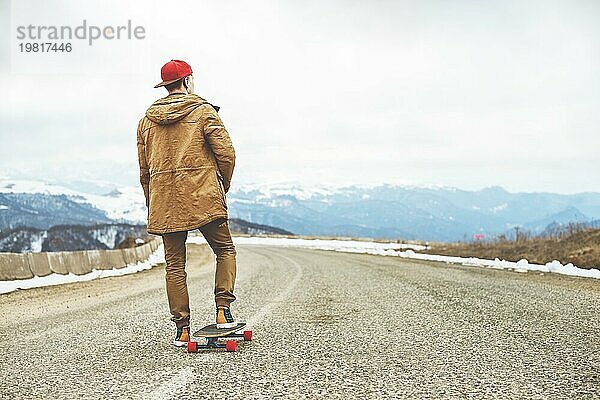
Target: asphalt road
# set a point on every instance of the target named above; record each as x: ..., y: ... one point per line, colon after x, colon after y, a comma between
x: 326, y: 325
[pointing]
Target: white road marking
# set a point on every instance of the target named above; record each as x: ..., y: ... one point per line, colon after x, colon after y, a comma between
x: 172, y: 387
x: 283, y: 295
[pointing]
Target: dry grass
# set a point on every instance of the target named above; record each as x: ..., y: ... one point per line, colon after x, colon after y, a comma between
x: 579, y: 246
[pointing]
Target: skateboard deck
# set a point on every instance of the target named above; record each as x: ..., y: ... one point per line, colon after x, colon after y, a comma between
x: 213, y: 331
x: 211, y: 335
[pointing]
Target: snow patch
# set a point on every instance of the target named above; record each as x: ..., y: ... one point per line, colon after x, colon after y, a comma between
x: 326, y: 244
x: 122, y: 204
x: 499, y: 208
x: 392, y: 249
x: 268, y: 191
x: 279, y: 203
x: 37, y: 242
x: 107, y: 236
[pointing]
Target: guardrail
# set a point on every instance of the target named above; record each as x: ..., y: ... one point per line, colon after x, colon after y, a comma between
x: 15, y: 266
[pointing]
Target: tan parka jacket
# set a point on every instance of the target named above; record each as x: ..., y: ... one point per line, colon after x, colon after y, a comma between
x: 186, y: 161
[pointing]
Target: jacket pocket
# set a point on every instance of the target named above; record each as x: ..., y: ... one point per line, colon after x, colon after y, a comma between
x: 222, y: 190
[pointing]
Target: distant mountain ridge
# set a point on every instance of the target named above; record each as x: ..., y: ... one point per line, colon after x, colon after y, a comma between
x: 22, y: 199
x: 38, y: 216
x: 409, y: 212
x: 44, y: 211
x: 378, y: 211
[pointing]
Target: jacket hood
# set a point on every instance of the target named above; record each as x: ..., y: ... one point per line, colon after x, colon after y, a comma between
x: 173, y: 108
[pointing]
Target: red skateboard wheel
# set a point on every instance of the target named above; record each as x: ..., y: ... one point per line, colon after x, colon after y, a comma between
x: 192, y: 347
x: 247, y: 336
x: 231, y: 345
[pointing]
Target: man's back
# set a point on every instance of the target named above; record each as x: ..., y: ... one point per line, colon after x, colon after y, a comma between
x: 186, y: 163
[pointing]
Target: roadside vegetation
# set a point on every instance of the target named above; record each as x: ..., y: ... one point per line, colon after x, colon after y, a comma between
x: 574, y: 244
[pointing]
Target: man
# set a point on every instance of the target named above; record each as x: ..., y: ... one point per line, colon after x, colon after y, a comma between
x: 186, y: 163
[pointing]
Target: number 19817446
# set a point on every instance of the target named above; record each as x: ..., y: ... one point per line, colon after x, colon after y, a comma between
x: 45, y: 47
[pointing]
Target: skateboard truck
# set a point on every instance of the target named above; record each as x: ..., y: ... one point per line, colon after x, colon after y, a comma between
x: 212, y: 334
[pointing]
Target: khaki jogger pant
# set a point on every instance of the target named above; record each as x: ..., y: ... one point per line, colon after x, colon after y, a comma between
x: 218, y: 237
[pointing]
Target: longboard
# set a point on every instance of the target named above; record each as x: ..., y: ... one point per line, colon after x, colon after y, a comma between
x: 212, y: 334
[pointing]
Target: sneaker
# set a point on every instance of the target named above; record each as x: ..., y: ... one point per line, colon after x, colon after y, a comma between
x: 183, y: 336
x: 224, y: 318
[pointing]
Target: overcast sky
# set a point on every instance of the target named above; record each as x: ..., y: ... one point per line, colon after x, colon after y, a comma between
x: 464, y: 93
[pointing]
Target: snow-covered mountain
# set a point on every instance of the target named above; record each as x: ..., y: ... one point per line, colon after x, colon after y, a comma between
x: 410, y: 212
x: 379, y: 211
x: 121, y: 204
